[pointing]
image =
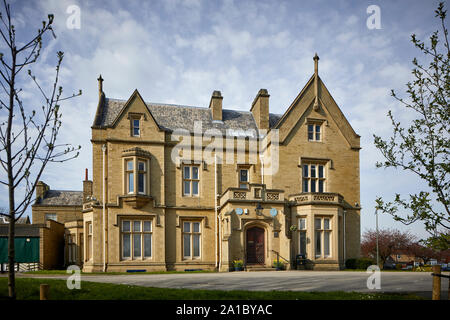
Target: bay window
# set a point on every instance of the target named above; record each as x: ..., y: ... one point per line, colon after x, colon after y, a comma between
x: 322, y: 237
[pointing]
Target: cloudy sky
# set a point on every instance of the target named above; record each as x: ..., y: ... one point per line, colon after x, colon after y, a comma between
x: 179, y: 51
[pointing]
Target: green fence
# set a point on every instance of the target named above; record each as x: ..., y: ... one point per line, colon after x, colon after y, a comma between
x: 27, y: 249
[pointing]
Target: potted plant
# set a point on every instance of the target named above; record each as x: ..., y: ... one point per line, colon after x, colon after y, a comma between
x: 238, y: 265
x: 278, y: 265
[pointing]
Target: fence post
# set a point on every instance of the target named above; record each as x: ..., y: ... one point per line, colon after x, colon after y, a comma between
x: 436, y: 283
x: 44, y: 291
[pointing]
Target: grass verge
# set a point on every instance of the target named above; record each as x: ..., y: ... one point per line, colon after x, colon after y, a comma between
x: 28, y: 289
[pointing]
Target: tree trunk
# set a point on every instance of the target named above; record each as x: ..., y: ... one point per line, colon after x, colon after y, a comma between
x: 11, y: 257
x: 12, y: 211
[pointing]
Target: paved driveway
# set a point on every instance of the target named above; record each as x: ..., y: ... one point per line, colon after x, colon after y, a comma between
x: 419, y: 282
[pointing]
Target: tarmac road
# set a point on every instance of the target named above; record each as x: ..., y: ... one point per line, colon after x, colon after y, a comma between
x: 417, y: 282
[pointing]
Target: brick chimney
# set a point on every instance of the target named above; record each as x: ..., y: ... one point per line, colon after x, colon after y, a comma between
x: 41, y: 189
x: 260, y: 109
x: 87, y: 187
x: 216, y: 105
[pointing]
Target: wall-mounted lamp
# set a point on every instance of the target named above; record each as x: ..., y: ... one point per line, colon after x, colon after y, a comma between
x: 259, y: 209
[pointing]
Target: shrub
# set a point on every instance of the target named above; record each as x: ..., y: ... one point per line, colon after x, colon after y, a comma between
x: 361, y: 263
x: 364, y: 263
x: 350, y: 264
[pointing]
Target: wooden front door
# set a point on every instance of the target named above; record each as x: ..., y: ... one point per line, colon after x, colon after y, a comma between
x: 255, y: 245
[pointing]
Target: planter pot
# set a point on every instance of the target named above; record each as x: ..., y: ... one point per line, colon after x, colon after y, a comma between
x: 238, y: 268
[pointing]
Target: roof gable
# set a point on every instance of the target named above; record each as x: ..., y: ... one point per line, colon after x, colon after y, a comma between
x: 302, y: 105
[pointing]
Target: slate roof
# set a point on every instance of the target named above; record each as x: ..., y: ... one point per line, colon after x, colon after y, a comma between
x: 21, y: 230
x: 171, y: 117
x: 62, y: 198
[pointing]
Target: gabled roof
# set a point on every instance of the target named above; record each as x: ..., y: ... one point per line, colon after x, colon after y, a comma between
x: 170, y: 117
x: 61, y: 198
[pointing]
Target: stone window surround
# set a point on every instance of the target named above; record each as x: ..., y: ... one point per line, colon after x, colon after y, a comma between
x: 136, y: 116
x: 191, y: 220
x: 131, y: 218
x: 315, y: 122
x: 135, y: 158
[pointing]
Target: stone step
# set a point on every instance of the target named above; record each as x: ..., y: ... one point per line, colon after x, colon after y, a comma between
x: 259, y: 268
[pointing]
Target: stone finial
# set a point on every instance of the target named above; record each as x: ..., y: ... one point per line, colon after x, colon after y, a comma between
x: 100, y: 85
x: 316, y: 81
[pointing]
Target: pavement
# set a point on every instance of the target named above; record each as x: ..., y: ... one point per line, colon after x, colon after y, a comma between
x: 415, y: 282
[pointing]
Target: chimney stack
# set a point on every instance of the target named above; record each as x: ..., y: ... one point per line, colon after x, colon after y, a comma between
x: 260, y: 109
x: 87, y: 187
x: 216, y: 105
x: 41, y: 189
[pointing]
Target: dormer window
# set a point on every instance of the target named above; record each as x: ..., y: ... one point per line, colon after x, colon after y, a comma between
x: 136, y: 127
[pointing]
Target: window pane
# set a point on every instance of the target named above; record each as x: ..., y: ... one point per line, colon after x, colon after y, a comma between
x: 318, y: 133
x: 317, y: 128
x: 305, y: 171
x: 136, y: 245
x: 136, y: 131
x: 187, y: 245
x: 196, y: 227
x: 136, y: 226
x: 141, y: 182
x: 302, y: 224
x: 147, y: 226
x: 187, y: 172
x: 320, y: 171
x: 326, y: 244
x: 187, y: 227
x: 187, y: 187
x: 194, y: 172
x: 244, y: 176
x: 320, y: 185
x: 326, y: 224
x: 313, y: 171
x: 243, y: 186
x: 303, y: 242
x: 130, y: 182
x: 313, y: 185
x: 147, y: 245
x: 141, y: 166
x: 195, y: 187
x: 305, y: 185
x: 126, y: 245
x: 130, y: 165
x: 126, y: 226
x: 318, y: 223
x: 318, y: 243
x: 310, y: 135
x: 196, y: 245
x: 136, y: 123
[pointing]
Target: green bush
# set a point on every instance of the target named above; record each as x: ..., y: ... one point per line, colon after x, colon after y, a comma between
x: 350, y: 264
x: 361, y: 263
x: 364, y: 263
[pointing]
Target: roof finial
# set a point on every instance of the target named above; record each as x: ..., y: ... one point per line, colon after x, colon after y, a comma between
x: 316, y: 81
x: 100, y: 85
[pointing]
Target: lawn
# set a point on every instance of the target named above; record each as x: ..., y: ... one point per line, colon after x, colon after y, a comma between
x: 28, y: 289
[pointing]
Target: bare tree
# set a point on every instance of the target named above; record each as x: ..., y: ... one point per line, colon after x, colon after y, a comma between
x: 27, y: 136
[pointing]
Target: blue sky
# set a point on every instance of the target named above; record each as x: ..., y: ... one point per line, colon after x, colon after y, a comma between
x: 179, y: 51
